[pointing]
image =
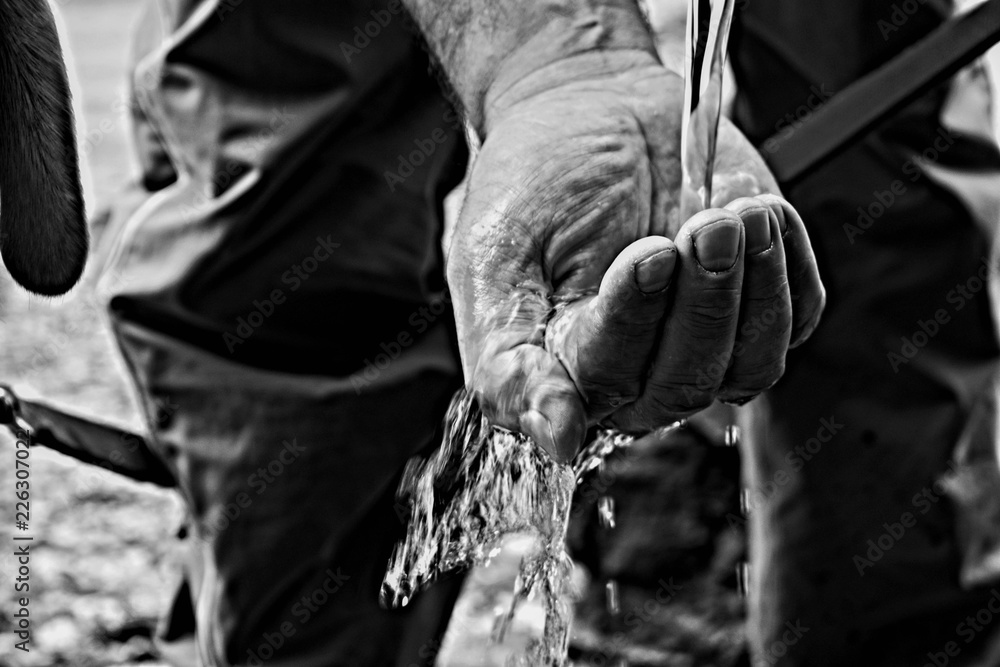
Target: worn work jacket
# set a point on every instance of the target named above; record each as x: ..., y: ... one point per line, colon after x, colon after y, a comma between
x: 281, y: 306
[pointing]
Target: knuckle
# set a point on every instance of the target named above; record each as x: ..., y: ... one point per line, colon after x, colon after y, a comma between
x: 617, y: 392
x: 628, y: 318
x: 604, y: 399
x: 766, y: 284
x: 752, y: 381
x: 707, y: 319
x: 675, y: 403
x: 741, y: 205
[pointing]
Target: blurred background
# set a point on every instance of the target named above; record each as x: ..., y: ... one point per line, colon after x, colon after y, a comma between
x: 102, y: 561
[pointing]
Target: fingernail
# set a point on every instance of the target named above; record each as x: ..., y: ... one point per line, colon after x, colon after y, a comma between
x: 540, y: 430
x: 653, y: 274
x: 779, y: 212
x: 757, y: 224
x: 717, y: 245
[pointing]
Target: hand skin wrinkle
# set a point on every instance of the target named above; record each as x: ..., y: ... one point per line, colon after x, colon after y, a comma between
x: 662, y: 193
x: 566, y: 186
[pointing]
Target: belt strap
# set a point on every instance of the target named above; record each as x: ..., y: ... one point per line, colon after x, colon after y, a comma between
x: 870, y: 100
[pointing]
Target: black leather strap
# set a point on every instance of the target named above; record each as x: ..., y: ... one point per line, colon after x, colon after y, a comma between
x: 870, y: 100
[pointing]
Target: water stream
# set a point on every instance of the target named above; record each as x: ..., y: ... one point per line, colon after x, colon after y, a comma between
x: 484, y: 483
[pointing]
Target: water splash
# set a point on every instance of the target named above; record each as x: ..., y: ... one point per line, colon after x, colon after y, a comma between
x: 484, y: 483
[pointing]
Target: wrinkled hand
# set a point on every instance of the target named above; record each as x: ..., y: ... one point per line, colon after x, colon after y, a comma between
x: 580, y: 296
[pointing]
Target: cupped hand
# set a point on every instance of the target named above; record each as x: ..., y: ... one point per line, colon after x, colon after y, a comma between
x: 580, y: 295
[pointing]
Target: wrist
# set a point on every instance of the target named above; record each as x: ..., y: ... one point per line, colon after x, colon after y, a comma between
x: 488, y: 46
x: 616, y: 70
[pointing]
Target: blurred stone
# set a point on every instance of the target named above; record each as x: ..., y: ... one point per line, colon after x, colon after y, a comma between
x: 60, y: 634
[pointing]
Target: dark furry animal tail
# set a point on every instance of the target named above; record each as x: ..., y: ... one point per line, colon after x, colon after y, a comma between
x: 43, y: 229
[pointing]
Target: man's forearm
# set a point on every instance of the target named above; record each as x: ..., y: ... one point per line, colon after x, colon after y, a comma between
x: 485, y: 45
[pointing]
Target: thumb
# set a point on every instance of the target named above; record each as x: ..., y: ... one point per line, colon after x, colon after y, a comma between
x: 606, y: 342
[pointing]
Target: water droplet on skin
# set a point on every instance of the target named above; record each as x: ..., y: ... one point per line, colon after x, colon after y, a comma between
x: 732, y: 437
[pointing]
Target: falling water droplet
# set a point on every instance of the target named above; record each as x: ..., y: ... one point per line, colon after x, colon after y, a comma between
x: 606, y: 512
x: 743, y: 578
x: 612, y: 597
